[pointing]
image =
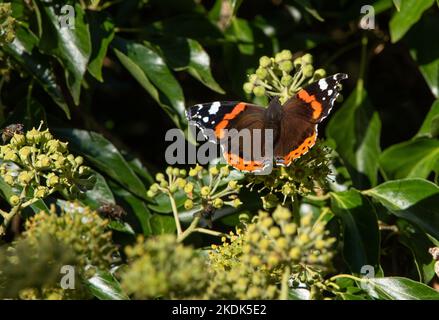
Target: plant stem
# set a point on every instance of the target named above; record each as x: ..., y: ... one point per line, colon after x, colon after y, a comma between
x: 175, y: 212
x: 346, y: 276
x: 296, y: 209
x: 210, y: 232
x: 189, y: 230
x: 284, y: 287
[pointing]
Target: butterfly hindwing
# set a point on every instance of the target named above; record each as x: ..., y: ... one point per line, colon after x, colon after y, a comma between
x: 300, y: 116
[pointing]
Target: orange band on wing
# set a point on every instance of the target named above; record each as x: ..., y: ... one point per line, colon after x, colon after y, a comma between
x: 315, y: 105
x: 302, y: 149
x: 241, y: 164
x: 229, y: 116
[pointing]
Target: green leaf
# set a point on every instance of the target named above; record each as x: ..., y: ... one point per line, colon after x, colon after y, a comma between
x: 361, y: 235
x: 162, y: 224
x: 185, y: 54
x: 356, y: 129
x: 151, y: 71
x: 415, y: 200
x: 135, y: 207
x: 429, y: 128
x: 397, y: 4
x: 398, y: 288
x: 418, y: 243
x: 426, y: 53
x: 23, y: 50
x: 104, y: 156
x: 121, y: 226
x: 411, y: 159
x: 71, y: 46
x: 100, y: 194
x: 102, y: 33
x: 104, y: 286
x: 410, y: 12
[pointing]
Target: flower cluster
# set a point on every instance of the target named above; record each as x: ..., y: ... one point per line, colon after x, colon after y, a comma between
x: 251, y: 264
x: 7, y: 24
x: 282, y: 75
x: 160, y: 267
x: 39, y: 164
x: 304, y: 176
x: 79, y: 228
x: 32, y: 270
x: 203, y: 188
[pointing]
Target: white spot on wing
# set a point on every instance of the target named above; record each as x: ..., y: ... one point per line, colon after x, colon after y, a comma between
x: 214, y: 107
x: 323, y: 85
x: 330, y: 91
x: 205, y: 119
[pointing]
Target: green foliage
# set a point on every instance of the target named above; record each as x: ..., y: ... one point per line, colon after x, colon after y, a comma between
x: 108, y: 88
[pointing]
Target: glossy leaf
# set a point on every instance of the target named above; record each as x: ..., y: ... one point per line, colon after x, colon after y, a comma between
x: 103, y: 155
x: 162, y: 224
x: 428, y: 126
x: 71, y: 46
x: 151, y: 71
x: 361, y: 235
x: 104, y: 286
x: 410, y: 12
x: 356, y: 130
x: 398, y: 288
x: 102, y: 33
x: 411, y: 159
x: 415, y: 200
x: 100, y: 194
x: 426, y: 53
x: 23, y: 50
x: 185, y: 54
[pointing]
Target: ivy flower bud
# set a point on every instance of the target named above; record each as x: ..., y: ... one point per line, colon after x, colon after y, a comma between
x: 306, y: 220
x: 46, y: 136
x: 308, y: 70
x: 205, y: 191
x: 25, y: 177
x: 286, y: 54
x: 188, y: 204
x: 217, y: 203
x: 225, y: 171
x: 307, y: 59
x: 274, y: 232
x: 163, y: 183
x: 14, y: 200
x: 253, y: 78
x: 52, y: 180
x: 286, y: 80
x: 259, y: 91
x: 290, y: 229
x: 286, y: 66
x: 169, y: 171
x: 43, y: 162
x: 33, y: 136
x: 189, y: 187
x: 261, y: 73
x: 182, y: 173
x: 248, y: 87
x: 214, y: 171
x: 84, y: 170
x: 193, y: 172
x: 150, y: 193
x: 154, y: 187
x: 319, y: 73
x: 10, y: 156
x: 180, y: 182
x: 24, y: 153
x: 295, y: 253
x: 18, y: 140
x: 79, y: 160
x: 236, y: 203
x: 160, y: 177
x: 8, y: 179
x: 173, y: 188
x: 264, y: 62
x: 40, y: 192
x: 176, y: 172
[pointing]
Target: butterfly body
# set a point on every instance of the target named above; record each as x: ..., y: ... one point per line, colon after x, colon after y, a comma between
x: 293, y: 125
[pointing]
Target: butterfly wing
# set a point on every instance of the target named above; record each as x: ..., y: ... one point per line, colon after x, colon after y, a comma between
x: 301, y: 114
x: 224, y: 122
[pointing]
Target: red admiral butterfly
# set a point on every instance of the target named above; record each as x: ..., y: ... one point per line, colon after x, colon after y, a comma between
x: 294, y: 123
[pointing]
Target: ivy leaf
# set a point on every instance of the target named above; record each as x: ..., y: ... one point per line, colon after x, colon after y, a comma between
x: 102, y: 33
x: 429, y: 127
x: 356, y: 129
x: 415, y: 200
x: 398, y: 288
x: 100, y: 194
x: 151, y: 71
x: 361, y: 234
x: 71, y: 46
x: 23, y: 50
x: 162, y: 224
x: 411, y: 159
x: 104, y: 286
x: 410, y: 12
x: 185, y: 54
x: 104, y: 156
